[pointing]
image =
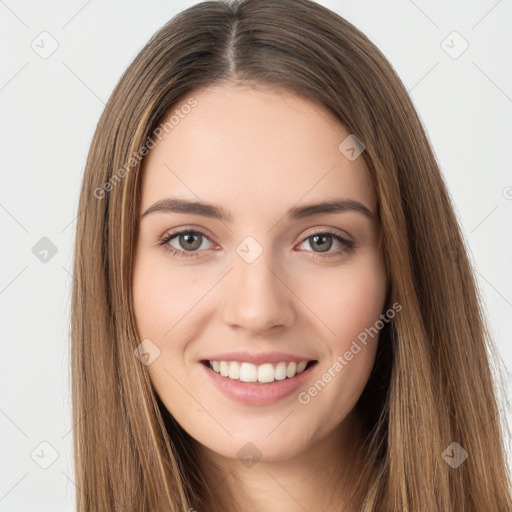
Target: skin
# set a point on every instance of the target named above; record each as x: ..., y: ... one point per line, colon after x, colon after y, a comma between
x: 257, y: 152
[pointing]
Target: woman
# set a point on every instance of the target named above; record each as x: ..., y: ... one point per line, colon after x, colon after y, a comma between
x: 221, y: 360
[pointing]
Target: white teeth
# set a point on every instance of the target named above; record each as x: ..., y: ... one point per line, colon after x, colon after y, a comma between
x: 264, y: 373
x: 301, y: 366
x: 280, y: 371
x: 234, y: 370
x: 248, y: 372
x: 224, y: 368
x: 291, y: 370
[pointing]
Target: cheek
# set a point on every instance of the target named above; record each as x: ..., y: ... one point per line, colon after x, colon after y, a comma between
x: 353, y: 302
x: 346, y: 300
x: 351, y: 314
x: 163, y: 294
x: 161, y: 301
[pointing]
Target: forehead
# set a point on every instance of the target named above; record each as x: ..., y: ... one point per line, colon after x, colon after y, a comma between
x: 252, y: 150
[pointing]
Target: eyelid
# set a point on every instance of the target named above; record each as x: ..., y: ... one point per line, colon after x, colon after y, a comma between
x: 185, y: 229
x: 331, y: 231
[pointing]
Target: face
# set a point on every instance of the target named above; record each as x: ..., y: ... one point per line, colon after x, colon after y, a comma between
x: 255, y: 277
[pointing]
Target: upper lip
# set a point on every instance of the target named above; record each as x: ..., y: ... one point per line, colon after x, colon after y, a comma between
x: 258, y: 358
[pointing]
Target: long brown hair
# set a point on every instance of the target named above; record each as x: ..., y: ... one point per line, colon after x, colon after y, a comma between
x: 431, y: 384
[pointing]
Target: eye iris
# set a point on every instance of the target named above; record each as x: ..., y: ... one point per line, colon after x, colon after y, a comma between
x: 320, y: 239
x: 187, y: 238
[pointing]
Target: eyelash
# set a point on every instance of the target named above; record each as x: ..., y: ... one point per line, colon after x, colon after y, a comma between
x: 348, y: 245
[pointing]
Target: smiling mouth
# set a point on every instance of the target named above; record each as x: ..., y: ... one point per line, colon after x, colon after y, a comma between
x: 264, y: 374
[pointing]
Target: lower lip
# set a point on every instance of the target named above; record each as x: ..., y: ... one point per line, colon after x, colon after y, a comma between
x: 257, y: 394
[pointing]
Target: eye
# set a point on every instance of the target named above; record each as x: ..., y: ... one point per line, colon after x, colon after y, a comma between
x: 323, y: 240
x: 189, y: 242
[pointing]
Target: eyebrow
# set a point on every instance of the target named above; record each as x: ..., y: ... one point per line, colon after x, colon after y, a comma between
x: 175, y: 205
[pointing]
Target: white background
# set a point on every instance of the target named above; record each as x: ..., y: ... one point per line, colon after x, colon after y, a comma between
x: 48, y: 112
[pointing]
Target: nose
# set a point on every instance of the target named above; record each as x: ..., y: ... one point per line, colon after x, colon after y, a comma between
x: 257, y: 296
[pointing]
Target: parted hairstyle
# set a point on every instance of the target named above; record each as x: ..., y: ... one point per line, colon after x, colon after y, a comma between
x: 432, y: 383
